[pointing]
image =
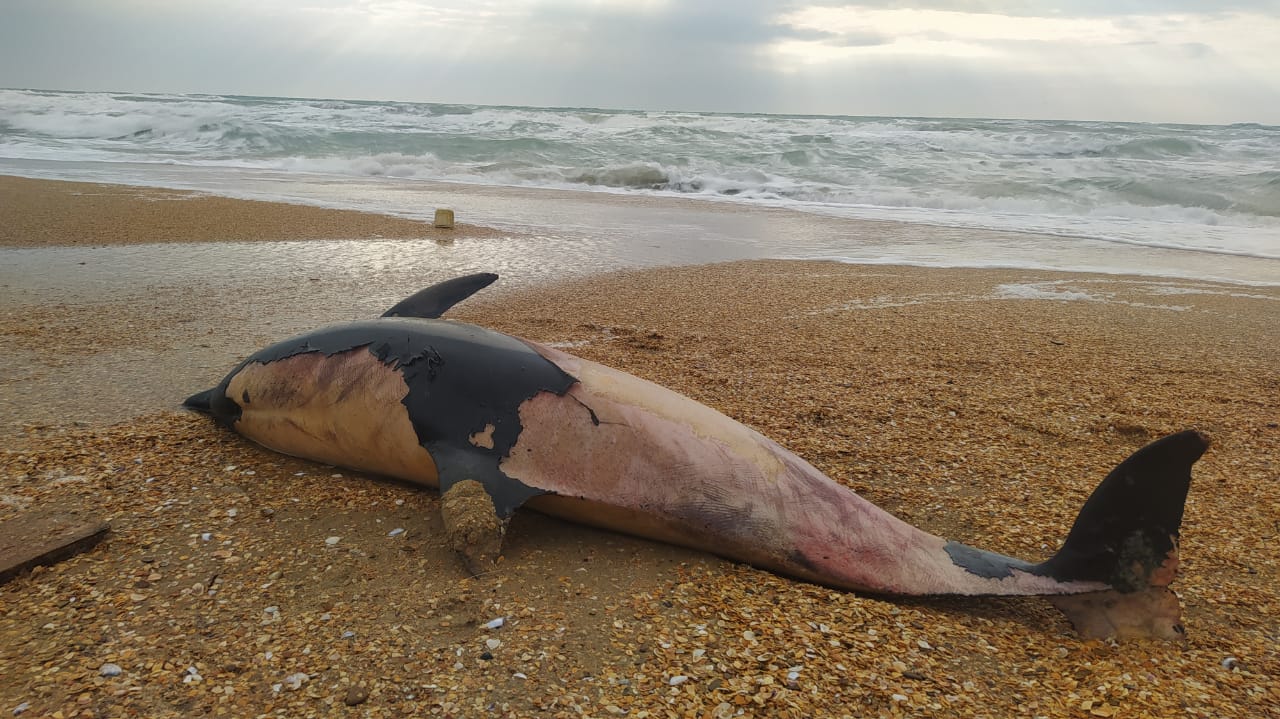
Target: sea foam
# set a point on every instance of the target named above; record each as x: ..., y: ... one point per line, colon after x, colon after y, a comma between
x: 1177, y: 187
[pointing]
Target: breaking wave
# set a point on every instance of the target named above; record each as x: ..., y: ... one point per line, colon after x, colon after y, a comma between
x: 1111, y: 180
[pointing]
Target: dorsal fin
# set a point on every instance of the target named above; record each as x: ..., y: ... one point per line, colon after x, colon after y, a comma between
x: 438, y: 298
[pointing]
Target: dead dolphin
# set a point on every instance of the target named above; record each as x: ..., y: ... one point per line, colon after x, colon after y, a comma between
x: 440, y: 403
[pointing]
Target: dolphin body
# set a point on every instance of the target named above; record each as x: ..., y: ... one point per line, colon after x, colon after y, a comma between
x: 446, y: 404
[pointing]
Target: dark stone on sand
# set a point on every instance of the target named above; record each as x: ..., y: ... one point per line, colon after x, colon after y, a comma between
x: 356, y: 695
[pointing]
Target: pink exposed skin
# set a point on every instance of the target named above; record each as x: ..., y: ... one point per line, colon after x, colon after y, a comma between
x: 343, y: 409
x: 626, y: 454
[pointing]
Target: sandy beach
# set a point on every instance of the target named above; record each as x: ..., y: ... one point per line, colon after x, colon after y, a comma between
x: 981, y: 405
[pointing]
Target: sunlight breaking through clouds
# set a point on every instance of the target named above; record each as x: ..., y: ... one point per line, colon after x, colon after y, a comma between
x: 1103, y: 59
x: 969, y: 34
x: 946, y: 25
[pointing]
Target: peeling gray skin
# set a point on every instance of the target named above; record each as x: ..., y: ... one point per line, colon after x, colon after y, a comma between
x: 983, y: 563
x: 462, y: 379
x: 462, y: 383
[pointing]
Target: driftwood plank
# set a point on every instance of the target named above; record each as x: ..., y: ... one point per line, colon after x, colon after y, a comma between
x: 35, y: 539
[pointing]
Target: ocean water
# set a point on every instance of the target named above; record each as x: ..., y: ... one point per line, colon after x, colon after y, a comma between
x: 1166, y: 199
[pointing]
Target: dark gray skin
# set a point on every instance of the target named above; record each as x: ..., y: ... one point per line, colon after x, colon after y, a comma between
x: 439, y: 403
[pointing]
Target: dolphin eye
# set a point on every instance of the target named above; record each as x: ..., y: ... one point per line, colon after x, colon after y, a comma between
x: 245, y: 396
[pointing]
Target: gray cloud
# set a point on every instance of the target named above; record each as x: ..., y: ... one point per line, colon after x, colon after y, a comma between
x: 1069, y: 8
x: 857, y: 39
x: 684, y: 55
x: 747, y: 23
x: 696, y: 30
x: 989, y: 88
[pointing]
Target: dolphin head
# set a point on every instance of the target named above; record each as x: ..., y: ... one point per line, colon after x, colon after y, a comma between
x: 344, y: 408
x: 264, y: 387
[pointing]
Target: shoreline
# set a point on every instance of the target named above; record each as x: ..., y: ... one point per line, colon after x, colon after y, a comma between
x: 982, y: 405
x: 615, y: 230
x: 64, y: 213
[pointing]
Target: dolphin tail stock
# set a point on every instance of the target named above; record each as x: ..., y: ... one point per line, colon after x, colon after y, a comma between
x: 434, y: 301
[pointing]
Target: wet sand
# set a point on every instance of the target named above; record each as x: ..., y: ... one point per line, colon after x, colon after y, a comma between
x: 980, y: 405
x: 44, y: 213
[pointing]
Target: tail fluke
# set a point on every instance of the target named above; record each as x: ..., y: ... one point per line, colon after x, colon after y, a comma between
x: 1126, y: 535
x: 1124, y: 543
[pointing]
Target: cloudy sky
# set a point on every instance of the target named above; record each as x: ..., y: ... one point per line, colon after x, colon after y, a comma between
x: 1211, y: 61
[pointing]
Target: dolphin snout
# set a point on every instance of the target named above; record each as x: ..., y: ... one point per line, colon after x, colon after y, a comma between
x: 200, y: 401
